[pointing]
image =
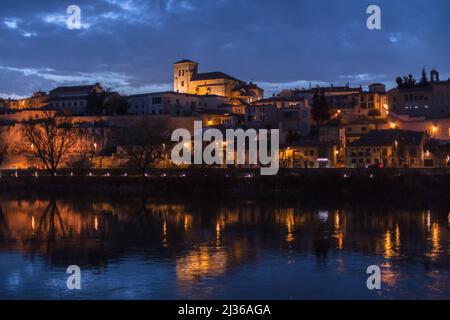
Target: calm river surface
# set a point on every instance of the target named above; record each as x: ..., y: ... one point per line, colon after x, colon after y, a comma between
x: 151, y: 249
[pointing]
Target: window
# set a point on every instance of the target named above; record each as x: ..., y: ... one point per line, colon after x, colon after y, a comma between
x: 156, y: 100
x: 182, y: 83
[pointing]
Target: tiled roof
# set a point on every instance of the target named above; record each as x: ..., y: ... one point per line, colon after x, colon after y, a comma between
x: 73, y: 88
x: 388, y: 138
x: 281, y: 99
x: 213, y: 76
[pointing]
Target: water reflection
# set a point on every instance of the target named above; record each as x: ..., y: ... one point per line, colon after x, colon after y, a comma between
x: 214, y: 249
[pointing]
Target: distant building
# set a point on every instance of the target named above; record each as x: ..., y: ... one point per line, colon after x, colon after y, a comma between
x: 9, y: 103
x: 187, y: 79
x: 332, y: 132
x: 437, y: 127
x: 354, y: 130
x: 309, y: 154
x: 76, y: 99
x: 172, y: 103
x: 351, y: 102
x: 283, y: 102
x: 38, y: 100
x: 387, y: 149
x: 437, y: 154
x: 291, y: 115
x: 217, y: 118
x: 431, y: 100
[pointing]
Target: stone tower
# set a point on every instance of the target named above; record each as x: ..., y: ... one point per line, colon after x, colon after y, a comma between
x: 183, y: 71
x: 434, y: 75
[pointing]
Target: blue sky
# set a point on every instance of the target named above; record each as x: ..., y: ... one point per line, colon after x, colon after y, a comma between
x: 130, y: 45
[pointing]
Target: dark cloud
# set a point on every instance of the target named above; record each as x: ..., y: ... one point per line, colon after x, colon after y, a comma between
x: 131, y: 44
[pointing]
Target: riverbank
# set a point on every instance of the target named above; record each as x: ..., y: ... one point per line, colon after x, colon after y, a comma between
x: 354, y: 186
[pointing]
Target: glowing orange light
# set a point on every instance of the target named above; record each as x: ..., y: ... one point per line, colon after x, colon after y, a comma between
x: 434, y: 129
x: 388, y: 249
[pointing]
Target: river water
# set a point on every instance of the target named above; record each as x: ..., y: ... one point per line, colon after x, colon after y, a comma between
x: 160, y: 249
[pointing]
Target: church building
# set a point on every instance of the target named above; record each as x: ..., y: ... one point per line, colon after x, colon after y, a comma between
x: 187, y: 79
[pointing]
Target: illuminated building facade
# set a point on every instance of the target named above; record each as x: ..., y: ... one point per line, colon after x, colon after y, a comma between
x: 387, y: 149
x: 172, y: 103
x: 187, y: 79
x: 75, y: 99
x: 431, y: 100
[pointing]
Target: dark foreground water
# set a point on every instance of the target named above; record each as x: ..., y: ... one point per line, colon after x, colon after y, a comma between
x: 173, y: 250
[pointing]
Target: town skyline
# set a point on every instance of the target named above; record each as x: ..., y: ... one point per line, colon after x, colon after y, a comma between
x: 244, y: 46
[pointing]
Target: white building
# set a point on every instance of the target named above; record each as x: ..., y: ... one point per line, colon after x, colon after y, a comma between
x: 173, y: 103
x: 75, y: 99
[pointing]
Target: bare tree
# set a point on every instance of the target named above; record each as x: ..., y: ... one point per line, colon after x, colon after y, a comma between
x: 85, y: 149
x: 3, y: 147
x: 146, y: 143
x: 49, y: 140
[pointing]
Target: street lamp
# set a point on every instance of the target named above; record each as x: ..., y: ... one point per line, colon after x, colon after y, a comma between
x: 434, y: 130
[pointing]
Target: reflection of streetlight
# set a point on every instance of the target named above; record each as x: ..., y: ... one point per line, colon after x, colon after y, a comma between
x: 95, y: 148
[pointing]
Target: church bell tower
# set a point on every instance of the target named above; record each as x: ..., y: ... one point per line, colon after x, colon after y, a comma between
x: 183, y: 72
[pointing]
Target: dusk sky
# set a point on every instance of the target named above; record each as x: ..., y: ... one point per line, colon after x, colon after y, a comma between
x: 130, y: 45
